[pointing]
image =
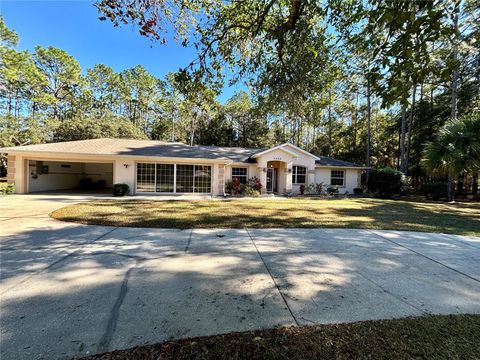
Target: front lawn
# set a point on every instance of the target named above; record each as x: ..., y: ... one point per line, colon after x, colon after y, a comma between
x: 459, y: 218
x: 430, y: 337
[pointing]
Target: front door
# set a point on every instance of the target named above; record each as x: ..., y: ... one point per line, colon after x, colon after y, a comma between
x: 271, y: 180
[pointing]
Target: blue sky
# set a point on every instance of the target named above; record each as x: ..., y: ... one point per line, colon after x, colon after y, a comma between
x: 74, y: 27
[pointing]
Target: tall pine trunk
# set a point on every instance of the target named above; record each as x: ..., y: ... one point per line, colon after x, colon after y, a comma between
x: 330, y: 123
x: 410, y: 127
x: 369, y: 116
x: 403, y: 163
x: 450, y: 182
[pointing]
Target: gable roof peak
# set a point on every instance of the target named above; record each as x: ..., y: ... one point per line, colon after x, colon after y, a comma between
x: 282, y: 147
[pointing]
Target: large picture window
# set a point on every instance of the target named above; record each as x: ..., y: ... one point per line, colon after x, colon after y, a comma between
x: 337, y: 178
x: 299, y: 175
x: 146, y: 177
x: 240, y: 173
x: 161, y: 178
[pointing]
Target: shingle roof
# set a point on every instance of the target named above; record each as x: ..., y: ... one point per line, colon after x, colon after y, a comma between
x: 326, y: 161
x: 139, y: 148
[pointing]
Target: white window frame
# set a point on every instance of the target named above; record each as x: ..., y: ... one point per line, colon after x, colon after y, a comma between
x: 236, y: 176
x: 338, y: 177
x: 174, y: 178
x: 295, y: 174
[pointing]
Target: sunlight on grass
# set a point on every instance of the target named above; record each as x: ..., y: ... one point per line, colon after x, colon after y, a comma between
x: 279, y: 213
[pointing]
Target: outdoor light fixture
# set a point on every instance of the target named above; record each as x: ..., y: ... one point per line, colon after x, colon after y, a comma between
x: 264, y: 169
x: 126, y: 166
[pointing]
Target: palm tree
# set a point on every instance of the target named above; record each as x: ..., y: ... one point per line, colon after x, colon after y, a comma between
x: 455, y: 151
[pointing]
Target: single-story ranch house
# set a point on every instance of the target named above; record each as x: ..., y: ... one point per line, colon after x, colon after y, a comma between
x: 157, y: 167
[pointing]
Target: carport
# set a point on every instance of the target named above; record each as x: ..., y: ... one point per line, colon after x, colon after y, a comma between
x: 47, y: 175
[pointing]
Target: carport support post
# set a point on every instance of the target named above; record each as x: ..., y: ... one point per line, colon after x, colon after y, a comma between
x: 20, y: 176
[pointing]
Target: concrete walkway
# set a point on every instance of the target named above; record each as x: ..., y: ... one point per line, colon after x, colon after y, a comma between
x: 72, y: 290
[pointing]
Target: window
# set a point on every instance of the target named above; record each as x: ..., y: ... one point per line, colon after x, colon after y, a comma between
x: 165, y: 176
x: 240, y: 174
x: 161, y: 178
x: 299, y: 175
x: 146, y: 177
x: 185, y: 178
x: 194, y: 178
x: 202, y: 179
x: 337, y: 178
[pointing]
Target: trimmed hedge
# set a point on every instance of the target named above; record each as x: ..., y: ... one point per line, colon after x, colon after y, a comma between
x: 120, y: 189
x: 386, y: 182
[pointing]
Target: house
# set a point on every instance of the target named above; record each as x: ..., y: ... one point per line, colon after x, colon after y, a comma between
x: 157, y: 167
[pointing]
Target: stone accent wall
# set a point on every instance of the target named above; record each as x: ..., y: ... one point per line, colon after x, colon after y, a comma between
x: 221, y: 180
x: 11, y: 169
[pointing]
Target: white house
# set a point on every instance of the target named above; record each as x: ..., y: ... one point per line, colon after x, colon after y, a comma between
x: 157, y: 167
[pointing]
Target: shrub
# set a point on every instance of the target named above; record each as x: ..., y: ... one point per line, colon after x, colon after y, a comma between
x: 309, y: 189
x: 7, y: 189
x: 312, y: 188
x: 228, y: 187
x: 386, y: 182
x: 435, y: 190
x: 255, y: 183
x: 233, y: 187
x: 302, y: 189
x: 319, y: 188
x: 251, y: 188
x: 250, y: 191
x: 358, y: 191
x: 120, y: 189
x: 332, y: 190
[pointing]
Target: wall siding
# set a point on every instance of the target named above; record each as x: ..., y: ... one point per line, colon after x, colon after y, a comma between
x: 351, y: 178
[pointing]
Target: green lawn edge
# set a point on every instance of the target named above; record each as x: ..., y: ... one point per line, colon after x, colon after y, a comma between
x: 427, y: 337
x: 372, y: 214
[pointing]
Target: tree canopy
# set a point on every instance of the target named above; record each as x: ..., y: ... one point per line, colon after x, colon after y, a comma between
x: 367, y: 81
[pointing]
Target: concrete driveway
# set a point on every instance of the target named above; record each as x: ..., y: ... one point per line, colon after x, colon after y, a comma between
x: 72, y: 290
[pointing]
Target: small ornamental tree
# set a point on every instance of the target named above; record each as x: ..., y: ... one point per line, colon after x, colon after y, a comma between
x: 386, y: 182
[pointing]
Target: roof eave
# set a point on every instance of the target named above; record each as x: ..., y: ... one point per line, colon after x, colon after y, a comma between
x: 343, y: 167
x: 90, y: 155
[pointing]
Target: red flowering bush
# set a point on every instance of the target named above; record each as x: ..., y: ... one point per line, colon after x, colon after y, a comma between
x: 251, y: 188
x: 233, y: 187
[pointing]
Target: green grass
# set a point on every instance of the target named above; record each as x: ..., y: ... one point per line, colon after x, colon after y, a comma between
x: 430, y: 337
x: 457, y: 218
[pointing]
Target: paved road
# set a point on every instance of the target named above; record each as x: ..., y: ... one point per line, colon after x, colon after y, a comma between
x: 71, y: 290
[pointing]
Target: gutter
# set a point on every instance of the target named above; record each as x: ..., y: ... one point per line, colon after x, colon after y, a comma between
x: 69, y: 155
